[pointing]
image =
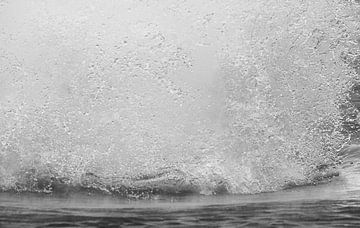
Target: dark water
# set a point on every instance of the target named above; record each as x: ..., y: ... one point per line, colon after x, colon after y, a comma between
x: 336, y: 213
x: 334, y: 204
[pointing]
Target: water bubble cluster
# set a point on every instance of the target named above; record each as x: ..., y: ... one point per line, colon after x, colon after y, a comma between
x: 142, y: 97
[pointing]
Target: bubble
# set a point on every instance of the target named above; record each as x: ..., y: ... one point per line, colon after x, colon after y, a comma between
x: 206, y: 97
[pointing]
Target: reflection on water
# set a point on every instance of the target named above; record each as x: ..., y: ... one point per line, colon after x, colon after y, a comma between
x: 269, y: 213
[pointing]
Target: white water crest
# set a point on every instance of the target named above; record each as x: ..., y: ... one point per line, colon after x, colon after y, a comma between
x: 174, y: 96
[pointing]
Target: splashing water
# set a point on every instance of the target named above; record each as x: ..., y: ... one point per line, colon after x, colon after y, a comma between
x: 142, y: 97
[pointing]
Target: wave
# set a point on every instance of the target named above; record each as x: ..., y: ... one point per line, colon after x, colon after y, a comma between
x: 208, y: 97
x: 166, y: 182
x: 171, y: 181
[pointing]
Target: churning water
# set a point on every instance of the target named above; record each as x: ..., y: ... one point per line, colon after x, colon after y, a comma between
x: 146, y: 99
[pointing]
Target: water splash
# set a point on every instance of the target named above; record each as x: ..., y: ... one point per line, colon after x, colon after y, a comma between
x: 199, y: 96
